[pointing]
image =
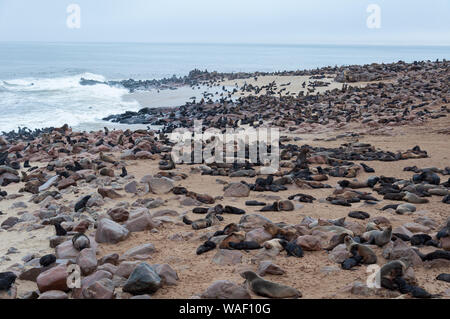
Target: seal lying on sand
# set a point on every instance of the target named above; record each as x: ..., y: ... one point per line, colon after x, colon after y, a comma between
x: 378, y: 237
x: 267, y: 288
x: 210, y: 220
x: 356, y: 249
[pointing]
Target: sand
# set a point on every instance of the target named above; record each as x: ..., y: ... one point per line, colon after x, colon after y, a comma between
x: 307, y: 274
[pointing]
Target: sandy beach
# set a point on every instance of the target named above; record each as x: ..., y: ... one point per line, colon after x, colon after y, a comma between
x: 316, y: 274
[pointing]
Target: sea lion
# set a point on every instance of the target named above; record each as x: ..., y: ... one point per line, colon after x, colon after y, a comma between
x: 236, y: 237
x: 60, y: 231
x: 81, y: 241
x: 292, y: 248
x: 388, y: 272
x: 210, y: 220
x: 274, y: 244
x: 378, y: 237
x: 244, y: 245
x: 351, y: 262
x: 336, y: 240
x: 205, y: 247
x: 444, y: 277
x: 47, y: 260
x: 279, y: 232
x: 356, y: 249
x: 82, y: 203
x: 269, y: 289
x: 7, y: 279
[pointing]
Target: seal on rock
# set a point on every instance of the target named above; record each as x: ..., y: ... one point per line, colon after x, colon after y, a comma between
x: 81, y: 241
x: 269, y: 289
x: 378, y: 237
x: 356, y: 249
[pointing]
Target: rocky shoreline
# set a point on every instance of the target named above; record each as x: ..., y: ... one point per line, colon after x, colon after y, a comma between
x: 363, y: 180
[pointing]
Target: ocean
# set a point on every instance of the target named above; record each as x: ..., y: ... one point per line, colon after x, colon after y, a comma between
x: 39, y: 82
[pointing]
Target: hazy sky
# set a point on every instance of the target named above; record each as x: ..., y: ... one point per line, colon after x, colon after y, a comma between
x: 229, y: 21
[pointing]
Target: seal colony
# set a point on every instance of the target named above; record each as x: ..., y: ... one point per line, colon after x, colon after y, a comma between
x: 363, y: 181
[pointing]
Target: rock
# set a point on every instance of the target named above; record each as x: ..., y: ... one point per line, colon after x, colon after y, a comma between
x: 56, y: 240
x: 405, y: 208
x: 252, y: 221
x: 258, y: 235
x: 339, y: 254
x: 401, y: 250
x: 31, y: 273
x: 110, y: 193
x: 101, y: 289
x: 227, y: 257
x: 54, y: 294
x: 53, y: 279
x: 140, y: 252
x: 9, y: 222
x: 309, y: 243
x: 119, y: 214
x: 109, y: 259
x: 237, y: 190
x: 67, y: 182
x: 66, y: 250
x: 88, y: 281
x: 142, y: 280
x: 131, y: 187
x: 87, y: 260
x: 402, y: 231
x: 126, y: 268
x: 110, y: 232
x: 158, y: 185
x: 49, y: 183
x: 168, y: 275
x: 225, y: 289
x: 267, y: 267
x: 141, y: 223
x: 361, y: 289
x: 416, y: 228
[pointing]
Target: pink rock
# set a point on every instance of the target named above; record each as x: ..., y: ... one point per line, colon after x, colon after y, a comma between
x: 109, y: 231
x: 168, y: 275
x: 101, y: 289
x: 141, y: 223
x: 53, y: 279
x: 54, y: 294
x: 259, y: 235
x: 225, y: 289
x: 309, y: 242
x: 267, y: 267
x: 87, y: 260
x: 126, y: 268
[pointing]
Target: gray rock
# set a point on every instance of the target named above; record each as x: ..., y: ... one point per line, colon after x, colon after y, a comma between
x: 143, y: 280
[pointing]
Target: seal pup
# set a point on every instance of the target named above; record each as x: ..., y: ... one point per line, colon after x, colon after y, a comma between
x: 378, y: 237
x: 7, y: 279
x: 81, y: 241
x: 356, y: 249
x: 205, y: 247
x: 292, y: 248
x: 60, y: 231
x: 47, y: 260
x: 269, y: 289
x: 244, y: 245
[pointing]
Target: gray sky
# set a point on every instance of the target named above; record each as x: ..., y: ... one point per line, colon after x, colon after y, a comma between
x: 230, y: 21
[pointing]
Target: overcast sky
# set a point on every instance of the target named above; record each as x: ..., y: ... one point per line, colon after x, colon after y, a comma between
x: 229, y: 21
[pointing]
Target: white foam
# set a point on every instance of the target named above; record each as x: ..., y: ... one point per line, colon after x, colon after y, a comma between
x: 44, y: 102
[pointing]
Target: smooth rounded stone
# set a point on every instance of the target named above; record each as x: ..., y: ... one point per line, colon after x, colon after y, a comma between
x: 66, y: 182
x: 252, y: 221
x: 108, y: 267
x: 339, y: 254
x: 405, y: 208
x: 53, y: 279
x: 158, y: 185
x: 416, y: 228
x: 95, y: 200
x: 309, y: 243
x: 437, y: 264
x: 101, y: 289
x: 399, y: 249
x: 166, y: 212
x: 267, y: 267
x: 9, y: 222
x: 227, y: 257
x: 88, y: 281
x: 87, y: 260
x: 188, y: 201
x: 140, y: 252
x: 126, y: 268
x: 218, y: 239
x: 237, y: 190
x: 329, y: 270
x: 66, y: 250
x: 225, y: 289
x: 258, y: 235
x: 402, y: 231
x: 361, y: 289
x: 109, y: 259
x: 168, y: 275
x: 54, y: 294
x: 110, y: 232
x: 131, y: 187
x: 141, y: 223
x: 119, y: 214
x: 109, y: 193
x: 143, y: 280
x: 30, y: 273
